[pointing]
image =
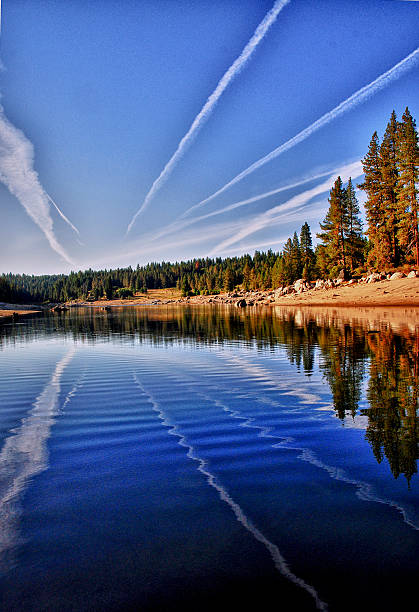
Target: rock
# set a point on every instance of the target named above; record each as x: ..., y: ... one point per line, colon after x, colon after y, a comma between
x: 413, y: 274
x: 397, y: 275
x: 301, y: 285
x: 241, y: 303
x: 374, y: 277
x: 352, y: 281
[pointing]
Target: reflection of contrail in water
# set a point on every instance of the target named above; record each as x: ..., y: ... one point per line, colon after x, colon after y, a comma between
x: 279, y: 561
x: 24, y: 455
x: 364, y: 490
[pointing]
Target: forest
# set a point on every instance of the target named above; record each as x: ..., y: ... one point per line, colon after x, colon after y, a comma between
x: 390, y: 240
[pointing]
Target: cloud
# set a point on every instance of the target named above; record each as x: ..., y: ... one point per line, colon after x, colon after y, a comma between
x: 357, y: 98
x: 183, y: 223
x: 19, y: 176
x: 274, y: 214
x: 209, y: 105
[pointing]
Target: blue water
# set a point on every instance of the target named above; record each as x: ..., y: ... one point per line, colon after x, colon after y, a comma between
x: 175, y: 460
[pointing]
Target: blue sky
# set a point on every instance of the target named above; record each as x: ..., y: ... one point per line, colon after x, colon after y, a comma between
x: 97, y: 96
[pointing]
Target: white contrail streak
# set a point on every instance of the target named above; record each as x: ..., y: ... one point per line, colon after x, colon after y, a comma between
x: 357, y: 98
x: 275, y: 213
x: 19, y: 176
x: 181, y: 224
x: 209, y: 105
x: 62, y: 215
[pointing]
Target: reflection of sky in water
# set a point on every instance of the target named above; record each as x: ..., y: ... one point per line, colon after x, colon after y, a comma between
x: 24, y: 454
x: 255, y: 423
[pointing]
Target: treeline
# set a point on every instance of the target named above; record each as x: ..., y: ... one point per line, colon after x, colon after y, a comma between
x: 391, y: 239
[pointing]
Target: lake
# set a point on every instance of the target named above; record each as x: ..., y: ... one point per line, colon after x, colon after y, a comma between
x: 184, y: 458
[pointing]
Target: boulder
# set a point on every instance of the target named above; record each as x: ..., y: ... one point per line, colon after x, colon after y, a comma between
x: 413, y: 274
x: 397, y: 275
x: 241, y: 303
x: 374, y: 277
x: 301, y: 285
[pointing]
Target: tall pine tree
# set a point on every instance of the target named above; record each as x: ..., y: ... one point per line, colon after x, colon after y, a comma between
x: 355, y: 243
x: 306, y: 252
x: 334, y: 229
x: 408, y: 176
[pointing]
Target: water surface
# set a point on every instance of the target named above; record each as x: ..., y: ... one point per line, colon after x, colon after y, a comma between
x: 177, y: 458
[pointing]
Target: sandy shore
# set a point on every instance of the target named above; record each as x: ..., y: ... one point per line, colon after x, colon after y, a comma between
x: 10, y: 312
x: 399, y: 292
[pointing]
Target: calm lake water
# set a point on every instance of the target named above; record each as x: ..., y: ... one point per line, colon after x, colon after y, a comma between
x: 191, y: 458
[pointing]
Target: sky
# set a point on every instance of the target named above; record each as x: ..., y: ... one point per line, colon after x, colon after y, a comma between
x: 146, y: 130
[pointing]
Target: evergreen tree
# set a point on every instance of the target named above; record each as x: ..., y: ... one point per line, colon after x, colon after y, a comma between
x: 407, y: 192
x: 380, y: 251
x: 108, y: 287
x: 306, y: 252
x: 335, y: 227
x: 228, y: 280
x: 389, y: 174
x: 292, y: 260
x: 355, y: 243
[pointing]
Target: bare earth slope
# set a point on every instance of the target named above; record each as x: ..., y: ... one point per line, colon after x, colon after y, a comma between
x: 400, y: 292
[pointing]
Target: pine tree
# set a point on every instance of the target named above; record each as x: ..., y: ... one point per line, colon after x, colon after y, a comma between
x: 306, y: 252
x: 380, y: 252
x: 335, y: 227
x: 408, y: 164
x: 228, y: 280
x: 296, y: 256
x: 355, y: 243
x: 108, y: 287
x: 389, y: 175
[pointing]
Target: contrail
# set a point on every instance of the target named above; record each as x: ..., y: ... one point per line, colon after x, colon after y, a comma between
x: 271, y: 215
x: 181, y: 224
x: 357, y: 98
x: 62, y: 215
x: 19, y: 176
x: 209, y: 105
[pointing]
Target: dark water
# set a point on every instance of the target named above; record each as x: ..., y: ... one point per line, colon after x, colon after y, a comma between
x: 184, y: 459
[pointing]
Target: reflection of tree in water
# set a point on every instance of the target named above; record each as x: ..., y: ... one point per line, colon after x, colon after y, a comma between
x: 345, y: 346
x: 393, y: 401
x: 343, y: 364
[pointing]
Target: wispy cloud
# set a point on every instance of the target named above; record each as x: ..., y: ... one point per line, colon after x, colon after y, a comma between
x: 181, y: 224
x: 209, y: 105
x: 18, y: 174
x: 274, y: 214
x: 357, y: 98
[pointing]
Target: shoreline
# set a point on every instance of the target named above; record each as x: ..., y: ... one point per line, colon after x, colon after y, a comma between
x: 397, y: 293
x: 368, y: 292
